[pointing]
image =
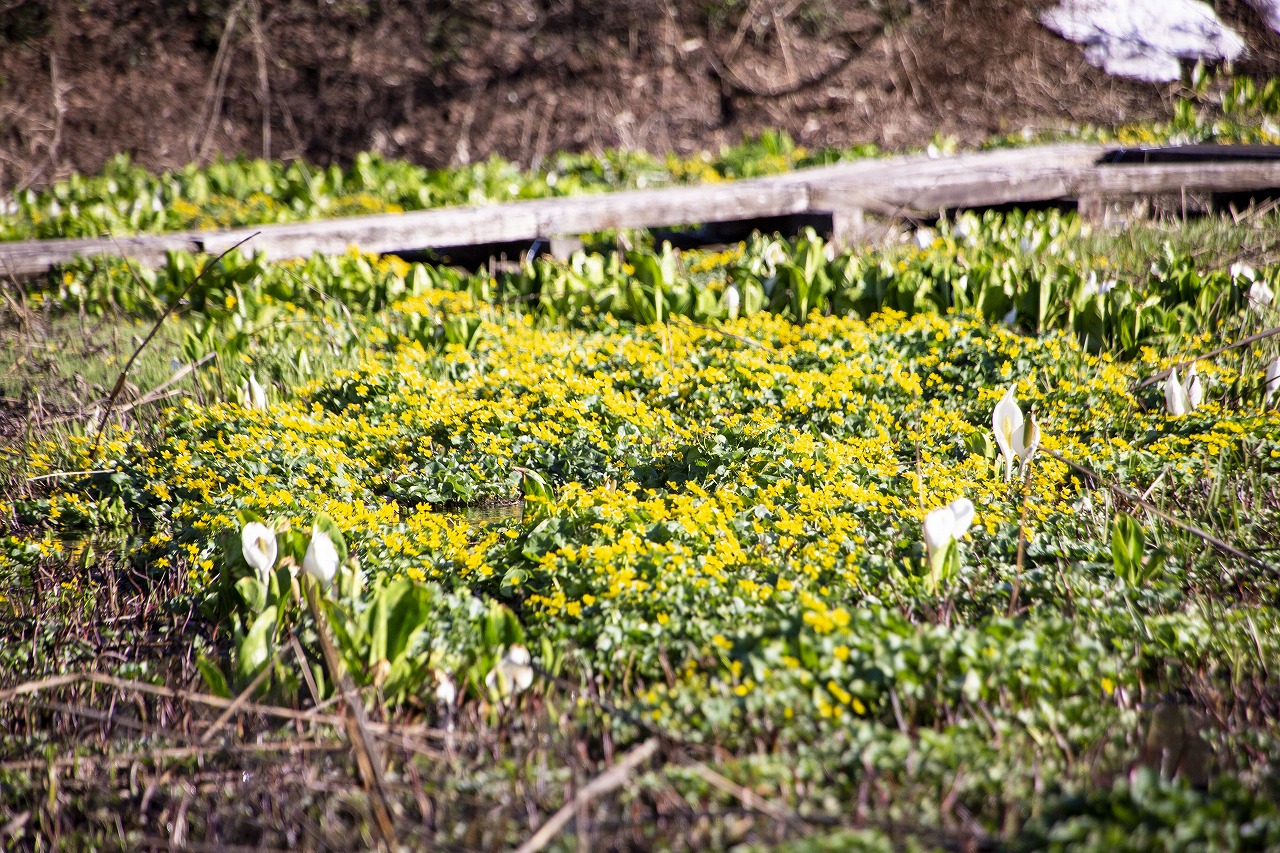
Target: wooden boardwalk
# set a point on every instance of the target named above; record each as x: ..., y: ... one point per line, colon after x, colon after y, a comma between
x: 914, y: 186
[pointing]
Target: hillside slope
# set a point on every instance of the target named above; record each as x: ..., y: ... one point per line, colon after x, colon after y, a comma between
x: 449, y: 82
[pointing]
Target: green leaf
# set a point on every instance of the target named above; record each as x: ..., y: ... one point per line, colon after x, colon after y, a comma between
x: 1127, y: 548
x: 213, y: 677
x: 253, y: 592
x: 256, y: 647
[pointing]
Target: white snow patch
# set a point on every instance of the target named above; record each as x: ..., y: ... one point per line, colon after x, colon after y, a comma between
x: 1146, y: 39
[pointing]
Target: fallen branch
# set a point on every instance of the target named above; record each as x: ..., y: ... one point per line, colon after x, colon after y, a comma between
x: 368, y: 757
x: 124, y: 372
x: 614, y: 777
x: 31, y: 688
x: 239, y: 701
x: 748, y: 798
x: 1138, y: 500
x: 174, y: 753
x: 1243, y: 342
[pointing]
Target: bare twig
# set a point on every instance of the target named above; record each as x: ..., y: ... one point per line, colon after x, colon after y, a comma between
x: 614, y: 777
x: 174, y: 753
x: 368, y: 756
x: 239, y: 701
x: 1243, y: 342
x: 70, y: 474
x: 1125, y: 494
x: 119, y: 386
x: 681, y: 321
x: 747, y: 797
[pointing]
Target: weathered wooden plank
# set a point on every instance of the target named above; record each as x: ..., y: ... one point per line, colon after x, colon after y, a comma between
x: 912, y: 185
x: 37, y: 256
x: 980, y: 187
x: 522, y: 220
x: 1155, y: 179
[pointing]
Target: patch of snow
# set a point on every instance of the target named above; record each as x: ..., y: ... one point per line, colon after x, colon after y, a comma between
x: 1146, y: 39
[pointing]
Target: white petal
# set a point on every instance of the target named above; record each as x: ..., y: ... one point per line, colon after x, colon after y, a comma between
x: 1175, y: 396
x: 1272, y: 385
x: 1260, y: 295
x: 1006, y: 421
x: 258, y: 544
x: 321, y: 559
x: 257, y: 394
x: 732, y: 301
x: 962, y: 512
x: 1194, y: 389
x: 512, y: 674
x: 939, y: 528
x: 446, y: 692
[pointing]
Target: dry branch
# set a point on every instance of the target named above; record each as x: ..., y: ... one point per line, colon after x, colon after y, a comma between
x: 614, y: 777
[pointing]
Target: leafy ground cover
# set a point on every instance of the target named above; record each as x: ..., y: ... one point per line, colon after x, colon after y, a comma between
x: 703, y: 556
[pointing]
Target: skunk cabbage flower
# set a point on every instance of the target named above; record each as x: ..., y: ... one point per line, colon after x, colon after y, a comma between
x: 732, y: 301
x: 1017, y: 438
x: 257, y: 394
x: 253, y: 394
x: 1010, y: 317
x: 258, y: 544
x: 1272, y: 384
x: 1175, y: 396
x: 943, y: 527
x: 1260, y: 295
x: 1194, y: 388
x: 512, y: 674
x: 1243, y: 270
x: 446, y: 692
x: 321, y: 559
x: 924, y: 238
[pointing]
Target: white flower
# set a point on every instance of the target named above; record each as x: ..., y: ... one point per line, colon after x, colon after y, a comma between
x: 1260, y: 295
x: 512, y: 674
x: 1273, y: 381
x: 258, y: 544
x: 446, y: 692
x: 1090, y: 284
x: 1017, y: 437
x: 1010, y: 317
x: 253, y: 395
x: 257, y: 394
x: 1106, y: 287
x: 321, y: 559
x: 1242, y: 270
x: 1195, y: 390
x: 732, y: 301
x: 945, y: 525
x: 924, y: 238
x: 1175, y: 396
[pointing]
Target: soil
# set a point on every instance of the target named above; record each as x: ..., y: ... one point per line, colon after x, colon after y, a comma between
x: 446, y: 82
